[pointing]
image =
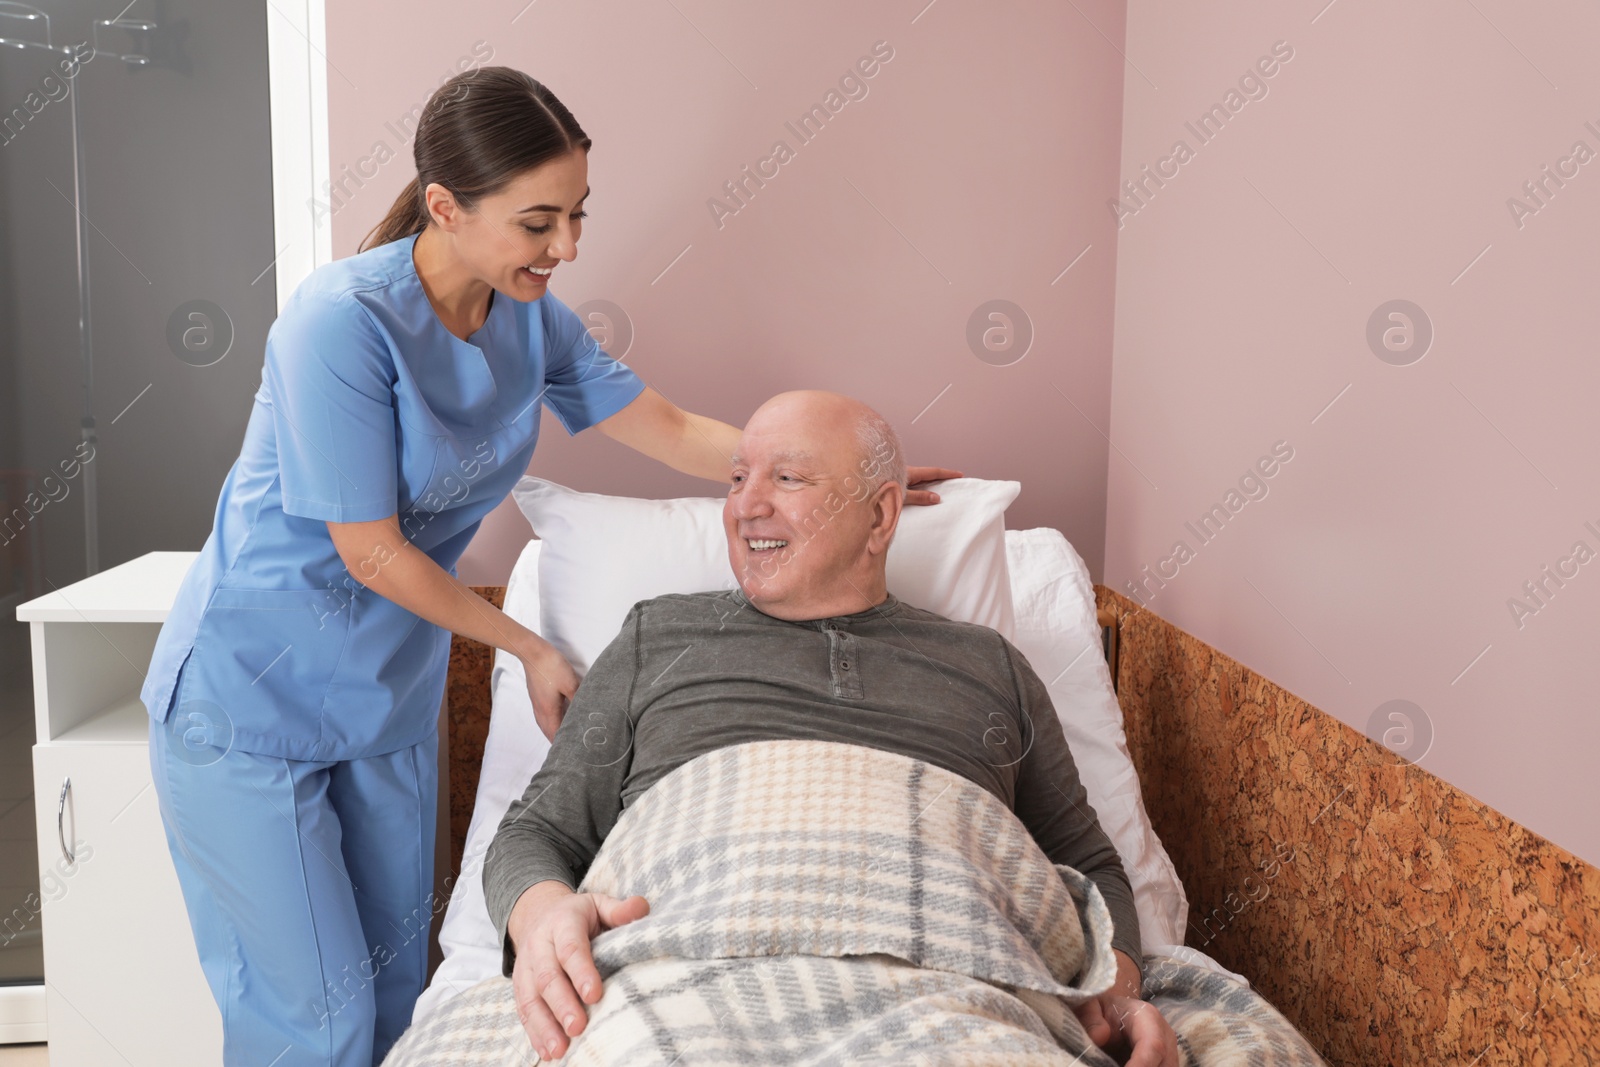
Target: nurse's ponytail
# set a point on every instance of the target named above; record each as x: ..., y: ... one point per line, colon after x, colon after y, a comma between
x: 478, y: 132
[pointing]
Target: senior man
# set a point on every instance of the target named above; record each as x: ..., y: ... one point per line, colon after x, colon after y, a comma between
x: 811, y: 646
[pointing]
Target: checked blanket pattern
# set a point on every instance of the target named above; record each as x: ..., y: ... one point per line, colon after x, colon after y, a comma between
x: 821, y: 903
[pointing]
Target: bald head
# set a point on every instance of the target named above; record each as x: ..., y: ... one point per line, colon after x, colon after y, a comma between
x: 878, y: 456
x: 818, y: 482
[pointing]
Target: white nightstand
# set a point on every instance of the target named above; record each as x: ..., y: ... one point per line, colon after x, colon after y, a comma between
x: 122, y: 977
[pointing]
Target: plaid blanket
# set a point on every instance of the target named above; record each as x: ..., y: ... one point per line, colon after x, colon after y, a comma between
x: 819, y: 903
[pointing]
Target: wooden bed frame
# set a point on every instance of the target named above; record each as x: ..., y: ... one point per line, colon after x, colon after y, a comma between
x: 1388, y: 915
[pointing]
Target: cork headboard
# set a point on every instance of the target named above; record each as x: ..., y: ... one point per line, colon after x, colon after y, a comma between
x: 1403, y: 922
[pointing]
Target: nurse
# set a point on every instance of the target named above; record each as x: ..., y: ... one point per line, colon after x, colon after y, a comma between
x: 294, y: 690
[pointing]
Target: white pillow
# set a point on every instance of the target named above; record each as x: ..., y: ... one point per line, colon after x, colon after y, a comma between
x: 513, y: 750
x: 1058, y: 629
x: 602, y: 554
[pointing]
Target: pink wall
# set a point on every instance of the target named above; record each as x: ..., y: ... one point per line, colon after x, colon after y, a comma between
x: 857, y: 266
x: 1385, y: 558
x: 1379, y: 562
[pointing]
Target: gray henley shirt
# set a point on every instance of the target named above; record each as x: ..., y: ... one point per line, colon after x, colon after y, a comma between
x: 692, y: 673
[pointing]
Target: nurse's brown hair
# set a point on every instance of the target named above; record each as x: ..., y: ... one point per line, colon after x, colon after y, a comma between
x: 478, y: 131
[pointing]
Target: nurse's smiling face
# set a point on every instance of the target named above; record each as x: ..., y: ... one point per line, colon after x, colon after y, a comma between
x: 531, y: 224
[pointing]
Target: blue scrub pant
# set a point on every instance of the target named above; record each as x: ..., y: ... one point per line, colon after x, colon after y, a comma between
x: 309, y: 885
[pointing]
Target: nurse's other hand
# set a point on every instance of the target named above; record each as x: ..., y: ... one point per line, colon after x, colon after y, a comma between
x: 917, y: 475
x: 551, y: 683
x: 554, y: 978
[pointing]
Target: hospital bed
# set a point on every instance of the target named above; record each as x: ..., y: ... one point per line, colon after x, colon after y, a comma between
x: 1389, y: 917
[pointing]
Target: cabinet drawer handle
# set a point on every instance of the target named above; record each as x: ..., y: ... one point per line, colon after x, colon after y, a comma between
x: 61, y: 821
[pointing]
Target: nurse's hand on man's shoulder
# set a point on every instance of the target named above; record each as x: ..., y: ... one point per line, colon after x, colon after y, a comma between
x: 918, y: 475
x: 554, y: 978
x: 551, y: 683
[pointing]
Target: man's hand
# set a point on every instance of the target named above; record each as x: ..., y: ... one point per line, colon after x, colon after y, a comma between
x: 1119, y: 1020
x: 551, y: 683
x: 550, y: 927
x: 918, y: 475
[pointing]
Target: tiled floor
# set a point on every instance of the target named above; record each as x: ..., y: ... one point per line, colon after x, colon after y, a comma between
x: 24, y: 1056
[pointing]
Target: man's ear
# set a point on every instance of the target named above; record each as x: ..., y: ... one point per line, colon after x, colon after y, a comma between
x: 886, y: 502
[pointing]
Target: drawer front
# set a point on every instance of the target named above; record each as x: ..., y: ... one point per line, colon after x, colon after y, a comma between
x: 123, y: 979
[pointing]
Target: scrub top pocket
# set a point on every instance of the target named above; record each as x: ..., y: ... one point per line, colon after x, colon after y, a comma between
x: 266, y: 657
x: 393, y: 670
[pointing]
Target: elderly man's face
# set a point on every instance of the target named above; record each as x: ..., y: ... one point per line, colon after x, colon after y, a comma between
x: 806, y: 534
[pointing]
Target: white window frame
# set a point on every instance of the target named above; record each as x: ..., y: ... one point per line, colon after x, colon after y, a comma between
x: 297, y: 63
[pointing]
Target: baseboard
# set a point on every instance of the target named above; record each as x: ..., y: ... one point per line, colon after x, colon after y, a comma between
x: 22, y: 1019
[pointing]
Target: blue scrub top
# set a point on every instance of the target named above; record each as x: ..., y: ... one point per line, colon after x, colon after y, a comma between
x: 368, y: 407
